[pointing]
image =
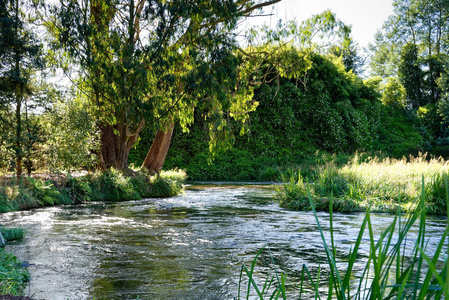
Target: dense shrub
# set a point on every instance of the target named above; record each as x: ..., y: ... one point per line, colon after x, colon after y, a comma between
x: 104, y: 186
x: 13, y: 278
x: 325, y: 109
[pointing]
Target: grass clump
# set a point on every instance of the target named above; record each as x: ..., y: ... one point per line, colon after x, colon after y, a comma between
x: 381, y: 185
x: 167, y: 184
x: 12, y: 234
x: 113, y: 185
x: 386, y: 272
x: 13, y: 277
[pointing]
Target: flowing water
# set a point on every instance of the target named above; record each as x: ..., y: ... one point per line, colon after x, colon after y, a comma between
x: 186, y: 247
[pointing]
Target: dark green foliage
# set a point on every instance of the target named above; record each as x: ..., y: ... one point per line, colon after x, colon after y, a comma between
x: 326, y: 108
x: 115, y: 186
x: 12, y: 234
x: 77, y: 190
x: 161, y: 188
x: 112, y: 186
x: 399, y: 134
x: 411, y: 75
x: 107, y: 186
x: 44, y: 191
x: 13, y: 278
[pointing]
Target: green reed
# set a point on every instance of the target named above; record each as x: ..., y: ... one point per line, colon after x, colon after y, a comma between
x: 387, y: 272
x: 380, y: 185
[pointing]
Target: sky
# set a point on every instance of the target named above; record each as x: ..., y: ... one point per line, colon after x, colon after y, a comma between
x: 365, y: 16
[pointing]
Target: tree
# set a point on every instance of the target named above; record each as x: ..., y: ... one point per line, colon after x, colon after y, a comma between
x: 348, y: 52
x: 20, y: 56
x: 413, y: 47
x: 414, y: 42
x: 411, y: 76
x: 150, y: 63
x: 72, y: 134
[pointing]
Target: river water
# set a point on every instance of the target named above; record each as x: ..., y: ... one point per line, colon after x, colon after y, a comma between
x: 186, y: 247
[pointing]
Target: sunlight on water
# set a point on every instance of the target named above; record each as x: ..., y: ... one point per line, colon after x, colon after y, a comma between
x: 186, y: 247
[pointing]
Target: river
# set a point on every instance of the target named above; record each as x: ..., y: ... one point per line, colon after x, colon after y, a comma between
x: 186, y: 247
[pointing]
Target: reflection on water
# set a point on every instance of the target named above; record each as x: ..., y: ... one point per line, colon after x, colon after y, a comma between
x: 186, y: 247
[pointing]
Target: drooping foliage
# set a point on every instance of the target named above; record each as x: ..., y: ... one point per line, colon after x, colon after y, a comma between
x: 324, y: 108
x: 149, y: 63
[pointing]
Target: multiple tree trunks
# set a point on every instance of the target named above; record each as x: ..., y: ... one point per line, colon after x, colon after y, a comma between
x: 115, y: 149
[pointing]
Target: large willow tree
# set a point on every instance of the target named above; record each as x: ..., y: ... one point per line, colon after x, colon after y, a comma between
x: 152, y: 63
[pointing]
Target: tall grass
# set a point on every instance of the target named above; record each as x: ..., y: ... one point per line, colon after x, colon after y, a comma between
x: 387, y: 272
x: 11, y: 234
x: 381, y: 185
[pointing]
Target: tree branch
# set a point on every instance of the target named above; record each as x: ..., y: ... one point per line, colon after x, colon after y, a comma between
x: 260, y: 5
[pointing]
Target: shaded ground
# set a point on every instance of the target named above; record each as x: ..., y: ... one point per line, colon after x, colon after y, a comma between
x: 7, y: 297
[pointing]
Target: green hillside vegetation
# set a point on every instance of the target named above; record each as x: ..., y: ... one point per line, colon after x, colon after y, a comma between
x: 326, y: 109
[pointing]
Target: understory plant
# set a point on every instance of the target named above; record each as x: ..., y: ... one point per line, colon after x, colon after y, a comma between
x: 112, y: 185
x: 387, y: 273
x: 13, y: 277
x: 11, y: 234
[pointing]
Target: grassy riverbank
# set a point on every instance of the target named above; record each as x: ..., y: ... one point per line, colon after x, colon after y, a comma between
x: 381, y: 185
x: 385, y: 272
x: 13, y: 276
x: 27, y: 193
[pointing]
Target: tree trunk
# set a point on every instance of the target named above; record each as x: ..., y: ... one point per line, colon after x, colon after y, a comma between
x: 107, y: 155
x: 115, y: 147
x: 156, y: 156
x: 18, y: 148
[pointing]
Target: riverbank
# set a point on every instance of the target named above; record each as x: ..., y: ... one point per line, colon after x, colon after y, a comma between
x: 387, y: 265
x: 383, y: 185
x: 27, y: 193
x: 14, y: 275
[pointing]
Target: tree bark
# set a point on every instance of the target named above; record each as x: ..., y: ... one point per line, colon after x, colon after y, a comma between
x: 156, y: 156
x: 115, y: 147
x: 108, y: 155
x: 18, y: 148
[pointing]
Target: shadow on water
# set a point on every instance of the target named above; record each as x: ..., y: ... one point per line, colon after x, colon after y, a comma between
x: 186, y: 247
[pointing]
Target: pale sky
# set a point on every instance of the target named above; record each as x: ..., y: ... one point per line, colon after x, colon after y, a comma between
x: 365, y: 16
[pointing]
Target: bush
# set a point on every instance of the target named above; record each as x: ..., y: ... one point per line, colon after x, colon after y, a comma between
x: 77, y: 190
x: 334, y: 111
x: 11, y: 234
x: 44, y: 191
x: 105, y: 186
x: 13, y: 278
